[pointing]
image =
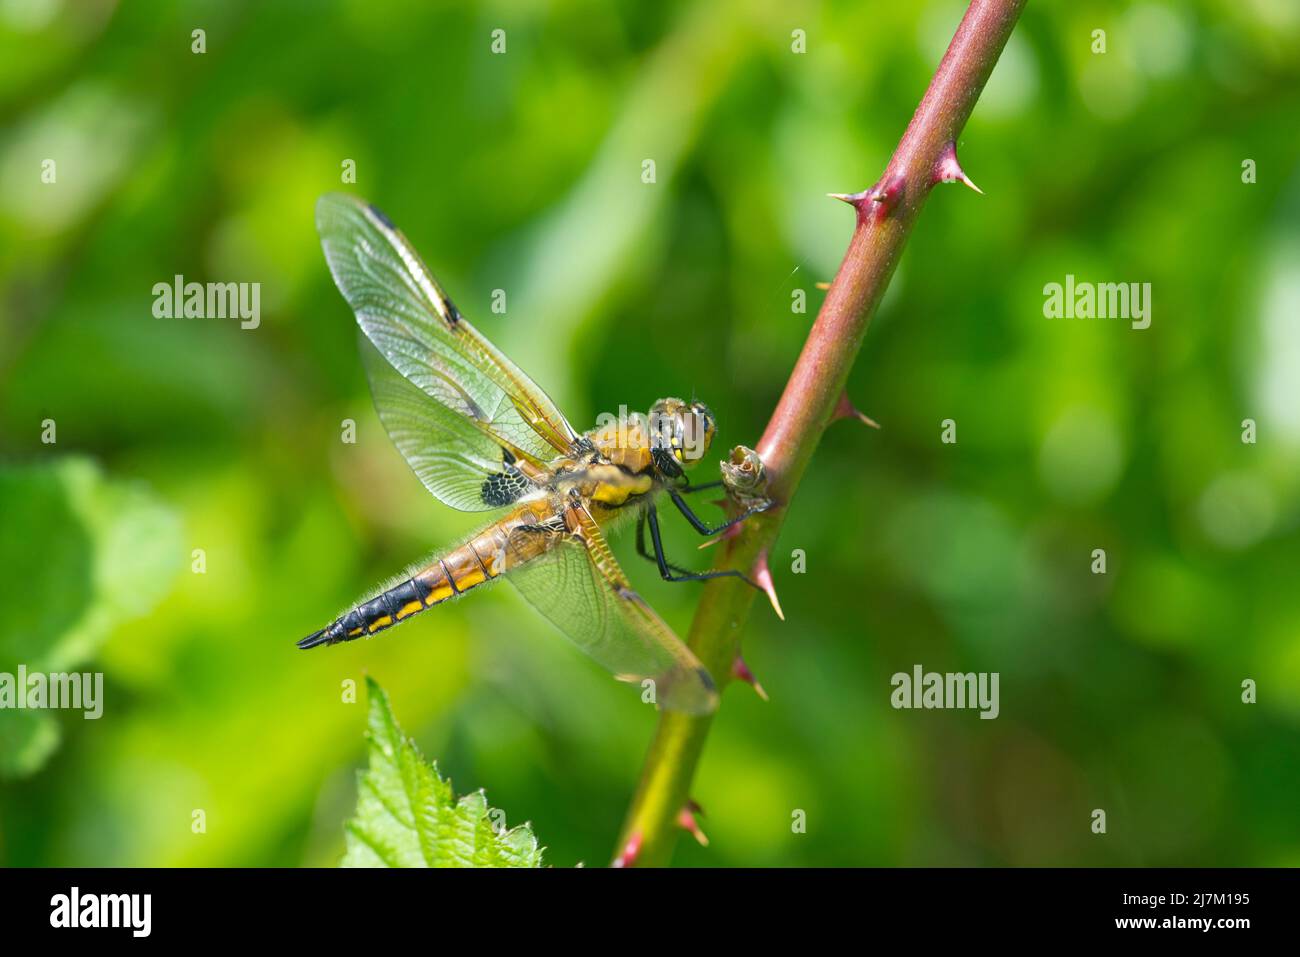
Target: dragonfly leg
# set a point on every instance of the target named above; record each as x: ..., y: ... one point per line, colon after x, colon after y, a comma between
x: 689, y: 489
x: 698, y: 524
x: 666, y: 570
x: 658, y: 556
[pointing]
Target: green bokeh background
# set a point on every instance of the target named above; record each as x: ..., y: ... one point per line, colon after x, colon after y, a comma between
x: 523, y: 171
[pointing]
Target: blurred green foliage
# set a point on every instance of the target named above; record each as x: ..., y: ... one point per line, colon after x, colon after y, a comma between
x: 522, y: 171
x: 81, y: 556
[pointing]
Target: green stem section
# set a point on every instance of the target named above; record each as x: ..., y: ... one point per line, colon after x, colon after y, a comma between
x: 885, y: 215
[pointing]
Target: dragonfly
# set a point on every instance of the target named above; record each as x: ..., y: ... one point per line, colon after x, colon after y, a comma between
x: 482, y: 436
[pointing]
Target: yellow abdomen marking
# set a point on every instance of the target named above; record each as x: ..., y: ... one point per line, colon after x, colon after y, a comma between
x: 441, y: 592
x: 467, y: 580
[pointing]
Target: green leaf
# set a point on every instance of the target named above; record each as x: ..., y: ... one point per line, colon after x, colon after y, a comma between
x: 408, y: 816
x: 80, y: 555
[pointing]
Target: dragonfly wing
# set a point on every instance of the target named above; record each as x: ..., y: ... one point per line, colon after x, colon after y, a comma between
x: 418, y: 330
x: 578, y: 584
x: 461, y: 465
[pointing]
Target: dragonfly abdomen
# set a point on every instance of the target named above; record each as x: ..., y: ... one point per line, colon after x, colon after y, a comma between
x: 481, y: 559
x: 446, y: 578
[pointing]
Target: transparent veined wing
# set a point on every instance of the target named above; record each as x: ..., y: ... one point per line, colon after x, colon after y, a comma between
x: 418, y: 330
x: 456, y: 460
x: 580, y: 587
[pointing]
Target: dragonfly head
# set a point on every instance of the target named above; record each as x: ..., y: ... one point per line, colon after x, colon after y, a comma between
x: 680, y: 433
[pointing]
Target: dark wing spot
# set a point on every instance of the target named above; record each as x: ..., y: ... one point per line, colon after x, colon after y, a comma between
x: 706, y: 679
x: 453, y: 314
x: 507, y: 486
x: 503, y: 489
x: 379, y: 215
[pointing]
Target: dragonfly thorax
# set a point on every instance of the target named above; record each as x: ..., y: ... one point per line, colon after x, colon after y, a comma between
x: 673, y: 437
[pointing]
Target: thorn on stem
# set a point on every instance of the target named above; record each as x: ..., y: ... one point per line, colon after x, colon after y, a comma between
x: 741, y: 672
x: 948, y: 168
x: 630, y: 852
x: 763, y: 578
x: 686, y: 821
x: 886, y: 196
x: 845, y: 409
x: 879, y: 199
x: 853, y: 199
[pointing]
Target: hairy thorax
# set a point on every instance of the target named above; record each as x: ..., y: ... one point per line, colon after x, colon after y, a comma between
x: 616, y: 472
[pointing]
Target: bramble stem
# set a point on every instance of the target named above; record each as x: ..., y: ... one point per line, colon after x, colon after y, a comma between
x: 885, y: 213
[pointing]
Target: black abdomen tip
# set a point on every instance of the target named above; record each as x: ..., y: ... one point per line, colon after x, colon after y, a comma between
x: 318, y: 638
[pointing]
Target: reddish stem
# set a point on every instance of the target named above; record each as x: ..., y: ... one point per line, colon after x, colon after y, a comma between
x: 885, y: 214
